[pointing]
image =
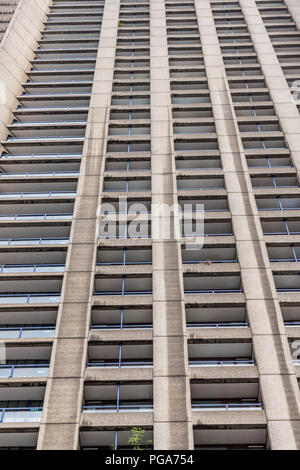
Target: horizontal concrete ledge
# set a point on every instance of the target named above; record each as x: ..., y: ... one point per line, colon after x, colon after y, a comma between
x: 211, y: 269
x: 19, y: 427
x: 31, y: 307
x: 293, y: 332
x: 118, y: 374
x: 120, y: 335
x: 297, y: 369
x: 288, y: 297
x: 219, y: 333
x: 113, y: 300
x: 225, y: 418
x: 281, y: 267
x: 96, y: 420
x: 194, y: 299
x: 13, y: 342
x: 115, y: 270
x: 23, y: 382
x: 128, y: 242
x: 224, y: 373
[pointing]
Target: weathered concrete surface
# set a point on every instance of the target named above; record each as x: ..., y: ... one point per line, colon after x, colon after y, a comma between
x: 171, y: 389
x: 63, y: 400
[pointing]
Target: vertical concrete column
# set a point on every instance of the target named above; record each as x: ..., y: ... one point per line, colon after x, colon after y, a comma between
x: 294, y: 8
x: 64, y: 391
x: 283, y: 416
x: 16, y: 50
x: 172, y: 405
x: 281, y: 95
x: 278, y: 382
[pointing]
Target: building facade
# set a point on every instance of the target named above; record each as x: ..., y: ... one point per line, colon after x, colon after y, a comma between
x: 111, y: 113
x: 7, y: 9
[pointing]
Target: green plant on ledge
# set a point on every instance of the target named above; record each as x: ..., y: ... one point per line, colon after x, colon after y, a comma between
x: 136, y: 437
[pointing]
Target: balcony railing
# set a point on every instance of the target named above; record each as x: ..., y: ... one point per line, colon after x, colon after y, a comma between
x: 131, y: 170
x: 22, y: 195
x: 211, y: 363
x: 8, y: 371
x: 123, y: 263
x: 218, y: 325
x: 20, y: 415
x: 44, y: 156
x: 126, y: 235
x: 31, y: 268
x: 210, y: 261
x: 118, y: 326
x: 279, y: 208
x: 34, y: 241
x: 123, y: 292
x: 201, y: 188
x: 199, y: 168
x: 225, y: 234
x: 29, y: 298
x: 101, y: 365
x: 67, y: 216
x: 115, y: 408
x: 276, y: 186
x: 125, y: 211
x: 126, y: 189
x: 50, y: 123
x: 284, y: 260
x: 36, y: 173
x: 221, y: 209
x: 226, y: 406
x: 17, y: 140
x: 287, y: 231
x: 28, y: 332
x: 213, y: 291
